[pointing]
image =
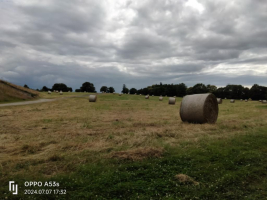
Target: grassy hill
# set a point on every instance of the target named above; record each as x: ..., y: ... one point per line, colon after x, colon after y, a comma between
x: 10, y: 92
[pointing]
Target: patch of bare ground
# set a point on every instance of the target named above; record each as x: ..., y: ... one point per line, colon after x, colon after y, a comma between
x: 138, y: 154
x: 184, y: 179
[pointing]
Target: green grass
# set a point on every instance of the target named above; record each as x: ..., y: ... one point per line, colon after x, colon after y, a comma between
x: 229, y: 169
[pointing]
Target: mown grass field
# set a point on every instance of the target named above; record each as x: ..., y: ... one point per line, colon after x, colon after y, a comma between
x: 128, y: 147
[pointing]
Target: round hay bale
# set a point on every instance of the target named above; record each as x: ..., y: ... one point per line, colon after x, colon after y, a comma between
x: 232, y: 101
x: 199, y: 108
x: 250, y: 99
x: 264, y: 101
x: 139, y: 94
x: 120, y: 94
x: 174, y: 96
x: 241, y: 99
x: 160, y: 98
x: 60, y: 92
x: 49, y: 92
x: 172, y: 100
x: 260, y: 100
x: 152, y: 95
x: 56, y: 91
x: 219, y: 100
x: 92, y: 98
x: 147, y: 97
x: 246, y: 100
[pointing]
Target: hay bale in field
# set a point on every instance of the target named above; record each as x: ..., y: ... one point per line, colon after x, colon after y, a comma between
x: 160, y: 98
x: 120, y: 94
x: 147, y: 97
x: 153, y: 95
x: 264, y: 101
x: 232, y: 101
x: 174, y: 96
x: 172, y: 100
x: 241, y: 99
x: 139, y: 94
x: 246, y: 100
x: 219, y: 100
x: 92, y: 98
x: 260, y: 100
x: 56, y: 91
x: 199, y: 108
x: 60, y: 92
x: 49, y: 92
x: 250, y: 99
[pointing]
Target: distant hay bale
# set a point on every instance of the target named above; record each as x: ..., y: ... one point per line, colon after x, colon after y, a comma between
x: 250, y: 99
x: 199, y: 108
x: 153, y: 95
x: 246, y: 100
x: 260, y: 100
x: 49, y: 92
x: 219, y: 100
x: 92, y: 98
x: 56, y: 91
x: 139, y: 94
x: 241, y: 99
x: 120, y: 94
x: 147, y: 97
x: 264, y: 101
x: 174, y: 96
x: 60, y: 92
x: 172, y: 100
x: 160, y: 98
x: 68, y: 91
x: 232, y: 101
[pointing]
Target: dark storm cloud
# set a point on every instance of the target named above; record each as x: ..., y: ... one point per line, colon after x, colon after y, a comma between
x: 138, y: 43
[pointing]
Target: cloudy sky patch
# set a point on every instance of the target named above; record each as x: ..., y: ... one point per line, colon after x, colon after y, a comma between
x: 138, y: 43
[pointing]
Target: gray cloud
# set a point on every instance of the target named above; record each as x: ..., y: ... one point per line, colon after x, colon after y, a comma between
x: 138, y: 43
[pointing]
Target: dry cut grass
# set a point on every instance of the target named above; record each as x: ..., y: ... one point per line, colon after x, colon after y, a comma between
x: 54, y: 137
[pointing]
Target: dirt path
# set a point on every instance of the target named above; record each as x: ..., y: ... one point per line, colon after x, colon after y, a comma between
x: 36, y: 101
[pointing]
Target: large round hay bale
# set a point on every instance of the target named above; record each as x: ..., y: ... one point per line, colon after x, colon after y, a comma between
x: 160, y: 98
x: 172, y: 100
x: 199, y: 108
x: 147, y: 97
x: 92, y: 98
x: 264, y: 101
x: 219, y: 100
x: 49, y: 92
x: 232, y: 101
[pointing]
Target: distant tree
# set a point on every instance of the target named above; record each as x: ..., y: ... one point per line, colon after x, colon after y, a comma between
x: 26, y: 86
x: 199, y: 88
x: 70, y: 89
x: 60, y: 87
x: 78, y: 90
x: 87, y: 87
x: 111, y: 89
x: 45, y: 89
x: 180, y: 90
x: 133, y: 91
x: 125, y: 89
x: 104, y: 89
x: 211, y: 88
x: 257, y: 92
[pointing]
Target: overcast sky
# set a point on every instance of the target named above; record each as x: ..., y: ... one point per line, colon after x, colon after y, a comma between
x: 139, y: 43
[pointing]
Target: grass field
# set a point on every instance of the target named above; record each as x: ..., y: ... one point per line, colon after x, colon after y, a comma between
x: 128, y: 147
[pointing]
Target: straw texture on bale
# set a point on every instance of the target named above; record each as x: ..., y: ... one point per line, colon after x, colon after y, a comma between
x: 92, y: 98
x: 199, y: 108
x: 147, y: 97
x: 232, y: 101
x: 160, y: 98
x: 172, y: 100
x: 219, y: 100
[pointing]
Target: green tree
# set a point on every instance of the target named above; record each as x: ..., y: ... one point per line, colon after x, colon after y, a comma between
x: 133, y: 91
x: 124, y: 89
x: 26, y: 86
x: 104, y: 89
x: 87, y: 87
x: 111, y: 89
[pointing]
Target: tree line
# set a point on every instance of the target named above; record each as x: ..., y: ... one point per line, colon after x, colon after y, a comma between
x: 256, y: 92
